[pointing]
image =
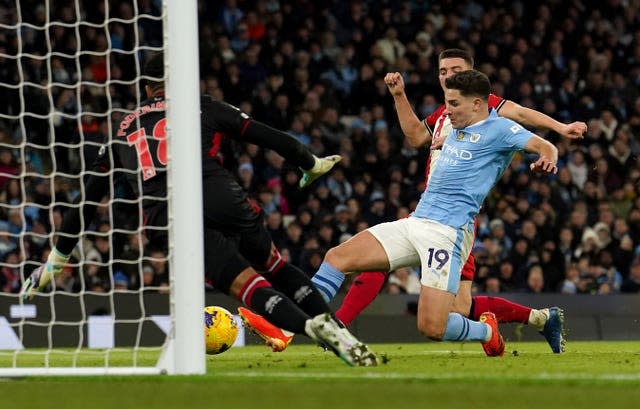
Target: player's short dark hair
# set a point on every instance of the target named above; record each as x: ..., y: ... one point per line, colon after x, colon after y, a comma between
x: 456, y: 53
x: 470, y: 83
x: 154, y: 68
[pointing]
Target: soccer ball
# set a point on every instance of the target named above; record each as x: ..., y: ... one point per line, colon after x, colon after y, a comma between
x: 220, y: 330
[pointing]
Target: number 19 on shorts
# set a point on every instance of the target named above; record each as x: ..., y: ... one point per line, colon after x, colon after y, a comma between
x: 437, y: 258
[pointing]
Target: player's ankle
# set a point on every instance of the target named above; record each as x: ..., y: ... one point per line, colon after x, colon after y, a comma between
x: 308, y: 330
x: 537, y: 318
x: 489, y: 333
x: 316, y: 165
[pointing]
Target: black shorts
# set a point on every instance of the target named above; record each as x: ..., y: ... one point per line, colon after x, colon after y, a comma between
x: 235, y: 237
x: 156, y: 226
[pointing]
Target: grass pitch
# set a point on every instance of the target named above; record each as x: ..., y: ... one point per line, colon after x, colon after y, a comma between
x: 434, y: 375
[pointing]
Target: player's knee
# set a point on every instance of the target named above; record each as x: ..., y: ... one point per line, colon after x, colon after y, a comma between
x: 235, y: 282
x: 335, y: 257
x: 274, y: 262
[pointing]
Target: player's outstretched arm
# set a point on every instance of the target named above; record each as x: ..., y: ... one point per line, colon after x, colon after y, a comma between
x: 44, y: 274
x: 533, y: 119
x: 547, y: 162
x: 414, y: 130
x: 95, y: 188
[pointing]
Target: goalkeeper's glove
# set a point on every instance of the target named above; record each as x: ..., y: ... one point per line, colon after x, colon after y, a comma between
x: 44, y: 274
x: 322, y: 166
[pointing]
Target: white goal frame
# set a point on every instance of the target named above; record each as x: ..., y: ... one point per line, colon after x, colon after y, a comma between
x: 184, y: 350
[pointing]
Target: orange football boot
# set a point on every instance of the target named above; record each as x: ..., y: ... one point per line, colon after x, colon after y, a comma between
x: 273, y: 336
x: 494, y: 346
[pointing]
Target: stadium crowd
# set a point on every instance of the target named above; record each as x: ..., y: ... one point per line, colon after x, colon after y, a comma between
x: 316, y: 69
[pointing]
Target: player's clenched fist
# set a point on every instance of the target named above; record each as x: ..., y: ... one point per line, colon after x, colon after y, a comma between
x: 395, y: 83
x: 574, y: 130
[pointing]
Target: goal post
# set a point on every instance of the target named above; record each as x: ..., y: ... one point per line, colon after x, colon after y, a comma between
x: 185, y: 182
x: 64, y: 320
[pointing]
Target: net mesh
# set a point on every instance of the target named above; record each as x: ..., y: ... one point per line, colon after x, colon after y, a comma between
x: 71, y: 71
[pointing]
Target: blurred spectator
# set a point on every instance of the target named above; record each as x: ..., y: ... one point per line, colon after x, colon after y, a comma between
x: 230, y: 15
x: 6, y: 244
x: 570, y: 283
x: 535, y: 280
x: 342, y: 75
x: 10, y: 273
x: 297, y: 131
x: 632, y: 284
x: 120, y: 281
x: 317, y: 73
x: 129, y: 261
x: 272, y: 199
x: 68, y: 281
x: 589, y: 246
x: 276, y: 229
x: 506, y: 277
x: 566, y: 245
x: 339, y: 185
x: 97, y: 257
x: 578, y: 168
x: 553, y: 266
x: 294, y: 241
x: 245, y: 173
x: 8, y: 167
x: 389, y: 47
x: 609, y: 275
x: 341, y: 221
x: 255, y: 26
x: 403, y: 281
x: 155, y: 270
x: 492, y: 285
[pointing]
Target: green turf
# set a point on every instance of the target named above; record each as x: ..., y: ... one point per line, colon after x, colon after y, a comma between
x: 430, y: 375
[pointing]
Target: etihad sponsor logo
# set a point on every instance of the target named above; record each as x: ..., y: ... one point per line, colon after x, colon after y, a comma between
x: 451, y: 155
x: 461, y: 154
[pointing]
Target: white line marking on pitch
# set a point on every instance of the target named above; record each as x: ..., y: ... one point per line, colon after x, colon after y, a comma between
x: 439, y: 376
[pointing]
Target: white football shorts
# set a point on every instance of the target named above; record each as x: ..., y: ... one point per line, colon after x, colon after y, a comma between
x: 439, y: 250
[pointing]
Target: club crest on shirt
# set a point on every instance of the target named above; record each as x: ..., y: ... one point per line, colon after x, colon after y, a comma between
x: 475, y: 137
x: 460, y: 136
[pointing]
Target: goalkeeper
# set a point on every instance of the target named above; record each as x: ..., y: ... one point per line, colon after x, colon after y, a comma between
x: 236, y: 243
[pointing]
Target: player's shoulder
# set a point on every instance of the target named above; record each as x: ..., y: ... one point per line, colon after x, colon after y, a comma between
x: 496, y: 102
x: 505, y: 126
x: 497, y: 121
x: 435, y: 115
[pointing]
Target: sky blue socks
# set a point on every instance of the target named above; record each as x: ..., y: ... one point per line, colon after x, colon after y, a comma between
x: 328, y: 280
x: 460, y: 328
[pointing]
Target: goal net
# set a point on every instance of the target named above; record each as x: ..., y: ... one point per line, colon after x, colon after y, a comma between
x: 71, y: 72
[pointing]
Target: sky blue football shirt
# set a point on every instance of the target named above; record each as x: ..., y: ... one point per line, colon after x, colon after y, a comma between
x: 471, y: 162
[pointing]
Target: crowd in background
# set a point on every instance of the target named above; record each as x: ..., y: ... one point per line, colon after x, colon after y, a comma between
x: 316, y: 69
